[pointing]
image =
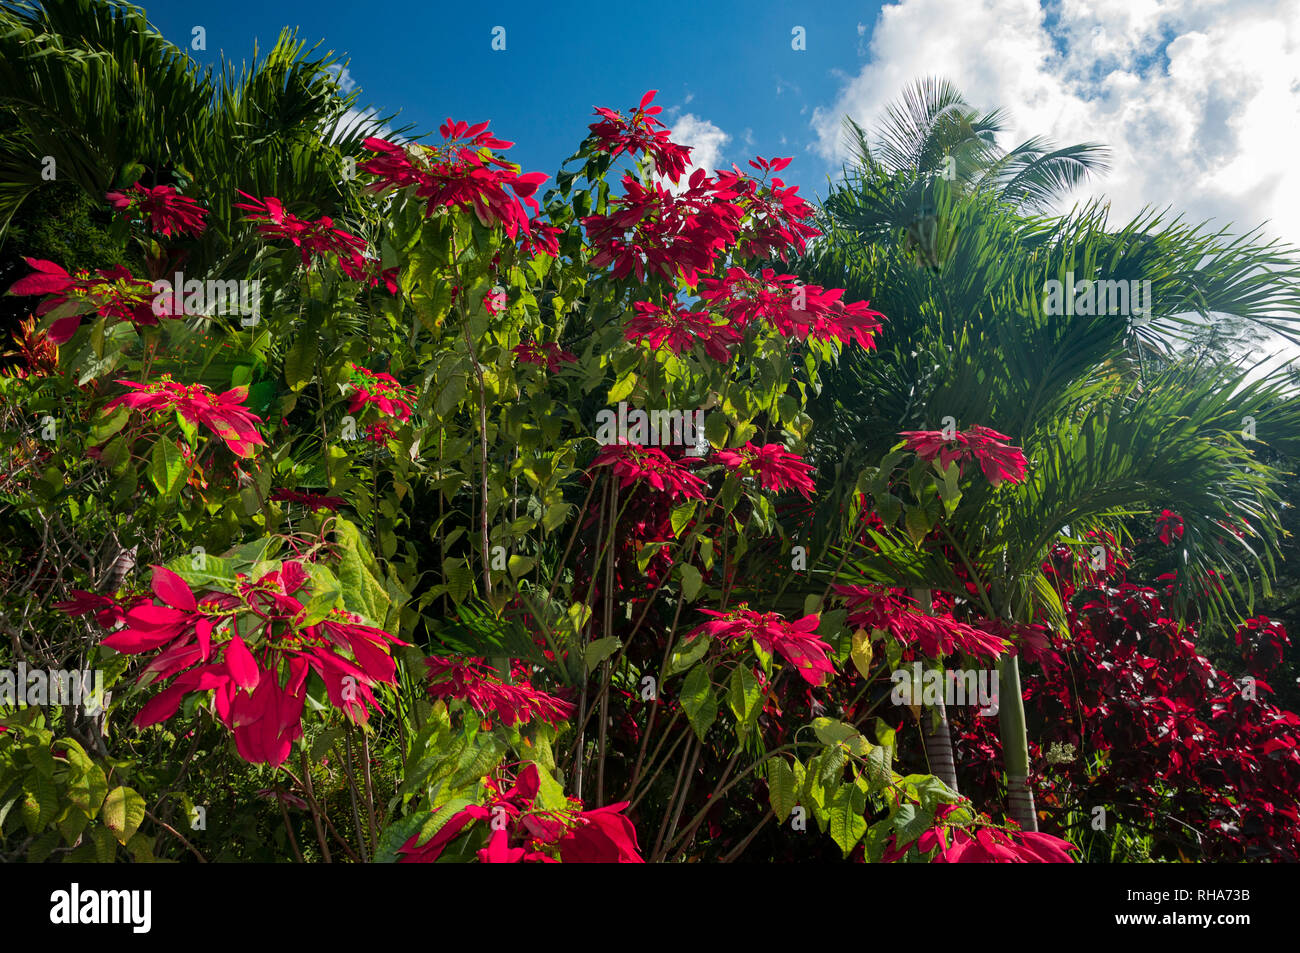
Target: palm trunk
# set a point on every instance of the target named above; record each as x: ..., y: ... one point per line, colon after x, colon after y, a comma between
x: 1015, y: 744
x: 934, y: 724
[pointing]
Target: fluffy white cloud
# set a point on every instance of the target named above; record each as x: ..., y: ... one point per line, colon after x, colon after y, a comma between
x: 1198, y: 99
x: 705, y: 139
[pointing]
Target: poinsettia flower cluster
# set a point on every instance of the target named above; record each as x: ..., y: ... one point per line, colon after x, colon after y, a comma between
x: 1160, y: 732
x: 311, y: 236
x: 650, y: 230
x: 522, y: 831
x: 676, y: 327
x: 981, y: 844
x: 991, y: 450
x: 774, y: 212
x: 775, y: 467
x: 110, y: 293
x: 461, y: 174
x: 934, y: 634
x: 547, y: 355
x: 796, y: 641
x: 634, y: 464
x: 165, y: 210
x: 253, y: 649
x: 380, y: 390
x: 794, y: 309
x: 224, y: 414
x: 1170, y: 527
x: 512, y: 702
x: 640, y: 133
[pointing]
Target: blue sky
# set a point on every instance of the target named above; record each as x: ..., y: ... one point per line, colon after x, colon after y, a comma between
x: 728, y: 64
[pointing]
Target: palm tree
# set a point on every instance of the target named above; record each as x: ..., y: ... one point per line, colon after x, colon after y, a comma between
x: 104, y: 97
x: 969, y: 337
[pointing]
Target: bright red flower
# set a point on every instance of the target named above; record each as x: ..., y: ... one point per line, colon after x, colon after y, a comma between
x: 224, y: 414
x: 981, y: 845
x: 635, y: 464
x: 114, y: 293
x: 382, y: 390
x: 472, y: 680
x: 641, y: 134
x: 253, y: 651
x: 461, y: 173
x: 679, y: 329
x: 165, y: 209
x: 796, y: 641
x: 792, y: 308
x: 522, y: 832
x: 774, y: 213
x: 996, y: 457
x: 651, y: 230
x: 775, y: 467
x: 546, y: 355
x: 934, y: 634
x: 1170, y: 525
x: 318, y: 236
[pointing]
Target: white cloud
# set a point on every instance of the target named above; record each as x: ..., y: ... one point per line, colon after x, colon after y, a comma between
x: 1198, y: 99
x: 705, y: 139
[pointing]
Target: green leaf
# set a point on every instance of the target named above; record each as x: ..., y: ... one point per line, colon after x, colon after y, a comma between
x: 122, y: 813
x: 832, y: 732
x: 691, y: 582
x: 743, y: 697
x: 846, y: 820
x: 698, y: 700
x: 166, y: 466
x: 687, y: 654
x: 598, y: 650
x: 860, y: 652
x: 781, y: 789
x: 682, y: 515
x: 300, y: 362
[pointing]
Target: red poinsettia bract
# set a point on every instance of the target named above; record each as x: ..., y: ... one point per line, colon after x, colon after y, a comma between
x: 166, y: 210
x: 677, y: 328
x: 254, y: 650
x: 310, y: 236
x: 775, y: 467
x: 224, y: 414
x: 982, y: 845
x: 650, y: 465
x: 382, y: 391
x: 462, y: 174
x: 111, y: 293
x: 991, y: 450
x: 640, y: 133
x: 796, y: 641
x: 934, y: 634
x: 522, y: 831
x: 547, y: 355
x: 795, y: 310
x: 1170, y: 526
x: 514, y: 702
